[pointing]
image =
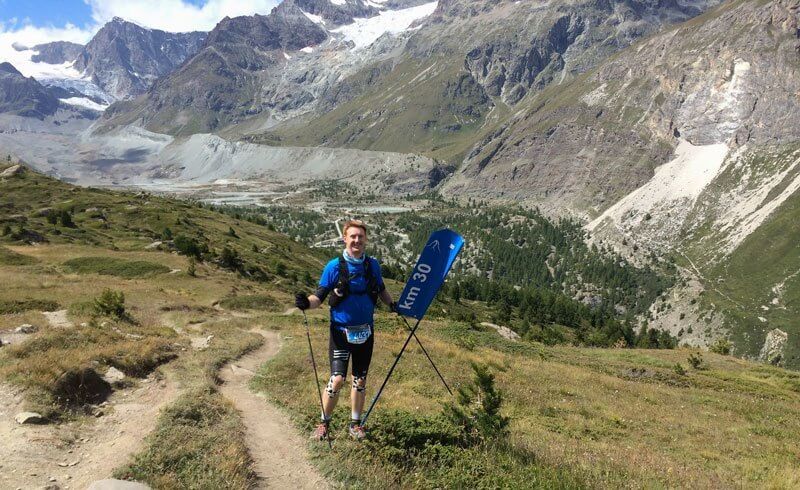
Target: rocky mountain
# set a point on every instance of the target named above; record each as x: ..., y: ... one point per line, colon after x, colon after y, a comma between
x: 587, y: 143
x: 683, y: 145
x: 468, y: 67
x: 57, y: 52
x: 260, y: 68
x: 24, y: 96
x: 124, y: 59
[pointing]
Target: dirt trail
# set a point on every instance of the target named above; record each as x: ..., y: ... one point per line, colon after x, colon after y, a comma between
x: 281, y: 459
x: 73, y: 455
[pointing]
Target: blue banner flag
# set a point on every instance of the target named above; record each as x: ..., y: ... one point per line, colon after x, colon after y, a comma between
x: 428, y: 275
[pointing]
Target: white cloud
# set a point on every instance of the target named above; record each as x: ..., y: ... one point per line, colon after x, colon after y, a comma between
x: 176, y: 15
x: 167, y: 15
x: 29, y: 36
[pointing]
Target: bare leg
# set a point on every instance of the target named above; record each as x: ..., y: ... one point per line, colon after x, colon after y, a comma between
x: 358, y: 395
x: 331, y: 395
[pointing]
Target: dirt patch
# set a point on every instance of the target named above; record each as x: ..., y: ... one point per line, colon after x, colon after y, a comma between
x: 73, y: 455
x: 58, y: 319
x: 504, y: 332
x: 279, y: 452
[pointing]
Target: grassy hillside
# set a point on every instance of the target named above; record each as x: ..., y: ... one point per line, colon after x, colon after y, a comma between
x: 107, y: 241
x: 758, y: 286
x: 434, y: 108
x: 579, y: 417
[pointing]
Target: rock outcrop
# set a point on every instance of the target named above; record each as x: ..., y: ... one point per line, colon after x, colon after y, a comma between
x: 774, y: 346
x: 57, y: 52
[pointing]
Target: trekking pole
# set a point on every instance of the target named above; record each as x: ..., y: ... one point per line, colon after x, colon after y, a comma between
x: 314, y: 363
x: 397, y: 359
x: 426, y: 355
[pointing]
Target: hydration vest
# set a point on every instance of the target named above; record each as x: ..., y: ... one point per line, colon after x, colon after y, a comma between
x: 343, y: 283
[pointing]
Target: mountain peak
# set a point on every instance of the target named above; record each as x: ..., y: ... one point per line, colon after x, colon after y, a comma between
x: 7, y: 67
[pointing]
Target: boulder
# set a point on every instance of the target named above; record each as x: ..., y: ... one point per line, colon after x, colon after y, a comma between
x: 113, y: 375
x: 26, y: 328
x: 112, y: 484
x: 12, y: 170
x: 29, y: 418
x: 773, y: 350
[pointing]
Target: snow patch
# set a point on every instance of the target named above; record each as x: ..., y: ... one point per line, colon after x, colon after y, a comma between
x: 314, y: 18
x: 682, y: 179
x: 286, y: 56
x: 339, y: 2
x: 363, y: 32
x: 307, y: 49
x: 84, y: 102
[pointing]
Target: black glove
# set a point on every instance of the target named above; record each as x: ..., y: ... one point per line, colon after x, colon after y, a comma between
x: 393, y: 307
x: 301, y: 301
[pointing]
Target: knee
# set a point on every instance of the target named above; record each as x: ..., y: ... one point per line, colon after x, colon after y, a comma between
x: 334, y: 385
x: 360, y: 383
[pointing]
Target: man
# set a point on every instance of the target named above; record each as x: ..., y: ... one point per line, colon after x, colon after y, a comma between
x: 353, y: 296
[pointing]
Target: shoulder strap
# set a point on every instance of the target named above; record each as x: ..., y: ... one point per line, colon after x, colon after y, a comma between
x: 344, y: 274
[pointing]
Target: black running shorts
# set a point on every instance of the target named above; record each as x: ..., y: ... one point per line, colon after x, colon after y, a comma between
x: 340, y: 351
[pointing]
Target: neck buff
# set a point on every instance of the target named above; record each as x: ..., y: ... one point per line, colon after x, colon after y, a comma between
x: 352, y: 260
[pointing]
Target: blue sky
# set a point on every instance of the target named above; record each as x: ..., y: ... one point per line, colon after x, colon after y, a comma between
x: 45, y: 12
x: 90, y: 15
x: 53, y: 13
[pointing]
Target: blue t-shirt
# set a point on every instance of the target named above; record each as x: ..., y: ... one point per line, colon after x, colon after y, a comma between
x: 357, y: 308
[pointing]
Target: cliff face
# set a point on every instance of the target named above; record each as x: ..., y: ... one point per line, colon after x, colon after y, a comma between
x: 57, y: 52
x: 124, y: 59
x: 729, y: 77
x: 24, y: 96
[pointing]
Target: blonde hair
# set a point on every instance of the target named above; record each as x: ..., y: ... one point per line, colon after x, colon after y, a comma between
x: 354, y: 222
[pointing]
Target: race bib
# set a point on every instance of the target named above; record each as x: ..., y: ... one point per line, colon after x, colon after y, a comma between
x: 358, y: 334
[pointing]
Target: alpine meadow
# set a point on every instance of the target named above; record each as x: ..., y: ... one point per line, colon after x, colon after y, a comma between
x: 400, y: 244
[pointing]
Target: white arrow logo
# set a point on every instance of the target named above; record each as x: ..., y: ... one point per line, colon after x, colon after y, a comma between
x: 435, y: 245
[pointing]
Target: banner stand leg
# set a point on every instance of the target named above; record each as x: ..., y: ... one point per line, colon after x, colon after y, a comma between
x: 389, y: 374
x: 428, y: 356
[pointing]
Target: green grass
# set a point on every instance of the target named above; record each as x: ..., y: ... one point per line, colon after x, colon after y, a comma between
x: 258, y: 302
x: 198, y: 443
x: 110, y: 266
x: 23, y: 305
x: 580, y: 417
x: 9, y: 257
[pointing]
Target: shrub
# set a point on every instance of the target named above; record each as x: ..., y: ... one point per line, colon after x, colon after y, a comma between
x: 721, y: 346
x: 697, y: 362
x: 192, y: 269
x: 66, y: 219
x: 188, y: 246
x: 110, y: 303
x: 679, y: 370
x: 477, y: 408
x: 230, y: 259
